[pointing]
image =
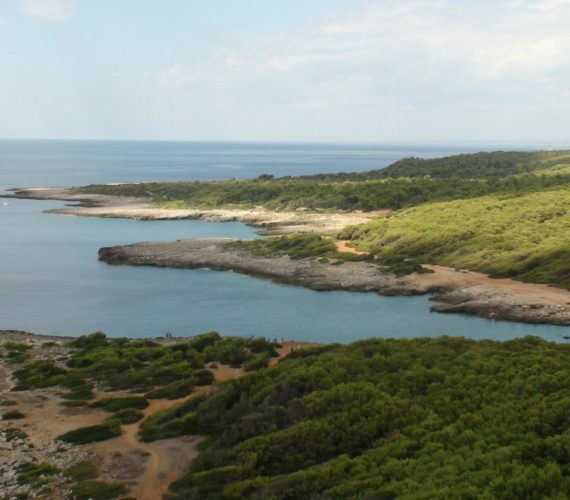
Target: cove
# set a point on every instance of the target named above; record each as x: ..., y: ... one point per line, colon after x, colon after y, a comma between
x: 52, y: 283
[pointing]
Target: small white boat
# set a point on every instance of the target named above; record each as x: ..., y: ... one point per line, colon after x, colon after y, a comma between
x: 5, y: 203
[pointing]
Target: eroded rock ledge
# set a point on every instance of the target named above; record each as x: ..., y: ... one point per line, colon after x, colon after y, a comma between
x: 487, y: 298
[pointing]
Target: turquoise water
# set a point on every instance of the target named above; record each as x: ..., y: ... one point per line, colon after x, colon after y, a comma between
x: 51, y: 281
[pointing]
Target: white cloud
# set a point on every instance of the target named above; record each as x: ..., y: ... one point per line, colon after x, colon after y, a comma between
x: 413, y: 52
x: 49, y: 10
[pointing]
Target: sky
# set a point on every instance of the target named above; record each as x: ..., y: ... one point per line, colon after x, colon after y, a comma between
x: 381, y: 71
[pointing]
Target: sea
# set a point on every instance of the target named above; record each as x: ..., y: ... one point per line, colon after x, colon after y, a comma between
x: 52, y: 283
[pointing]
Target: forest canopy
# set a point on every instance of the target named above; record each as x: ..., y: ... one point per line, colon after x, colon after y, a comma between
x: 421, y: 418
x: 405, y: 183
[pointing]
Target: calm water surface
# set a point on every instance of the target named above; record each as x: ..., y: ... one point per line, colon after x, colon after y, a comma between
x: 51, y: 281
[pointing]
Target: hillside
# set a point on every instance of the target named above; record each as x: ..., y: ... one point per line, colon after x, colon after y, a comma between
x: 406, y: 183
x: 422, y: 418
x: 525, y: 237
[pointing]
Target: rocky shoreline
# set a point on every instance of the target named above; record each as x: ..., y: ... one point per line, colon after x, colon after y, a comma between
x: 464, y: 293
x: 270, y: 222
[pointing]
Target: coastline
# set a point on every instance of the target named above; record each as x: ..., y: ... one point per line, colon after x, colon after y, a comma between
x: 270, y: 222
x: 455, y: 291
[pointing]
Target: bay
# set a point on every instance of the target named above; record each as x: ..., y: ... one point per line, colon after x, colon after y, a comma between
x: 51, y: 281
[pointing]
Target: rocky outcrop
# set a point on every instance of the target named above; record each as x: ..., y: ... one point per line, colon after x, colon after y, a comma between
x: 212, y: 253
x: 493, y: 299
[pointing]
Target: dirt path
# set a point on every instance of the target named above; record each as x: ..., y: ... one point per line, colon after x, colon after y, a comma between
x: 344, y: 246
x: 453, y: 278
x: 158, y: 474
x: 449, y: 278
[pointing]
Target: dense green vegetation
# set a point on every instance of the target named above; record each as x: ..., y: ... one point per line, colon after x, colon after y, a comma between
x: 175, y: 421
x: 527, y: 237
x: 503, y: 213
x: 406, y: 183
x: 314, y: 246
x: 296, y: 246
x: 160, y: 370
x: 139, y: 366
x: 421, y: 418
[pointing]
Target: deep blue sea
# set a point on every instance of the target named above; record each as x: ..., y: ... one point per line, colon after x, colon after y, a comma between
x: 51, y: 281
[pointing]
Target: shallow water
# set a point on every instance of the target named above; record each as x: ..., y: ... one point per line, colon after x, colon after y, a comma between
x: 51, y: 281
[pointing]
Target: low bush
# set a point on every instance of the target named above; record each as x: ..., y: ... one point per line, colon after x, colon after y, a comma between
x: 116, y: 404
x: 38, y: 375
x: 12, y: 433
x: 81, y: 471
x: 257, y: 362
x: 204, y: 377
x: 36, y: 475
x: 176, y: 421
x: 74, y: 403
x: 97, y: 490
x: 16, y: 346
x: 174, y: 390
x: 93, y: 433
x: 127, y: 416
x: 13, y: 415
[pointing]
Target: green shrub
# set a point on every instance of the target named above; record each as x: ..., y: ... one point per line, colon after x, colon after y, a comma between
x: 93, y: 433
x: 97, y: 490
x: 38, y: 375
x: 89, y: 342
x: 172, y: 422
x: 116, y: 404
x: 12, y: 433
x: 36, y: 475
x: 13, y: 415
x: 127, y: 416
x: 74, y: 403
x: 81, y: 471
x: 257, y: 362
x: 174, y: 390
x: 16, y: 346
x: 17, y: 357
x: 204, y: 377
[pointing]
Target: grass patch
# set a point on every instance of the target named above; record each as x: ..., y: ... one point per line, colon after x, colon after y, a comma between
x: 81, y: 471
x: 36, y: 475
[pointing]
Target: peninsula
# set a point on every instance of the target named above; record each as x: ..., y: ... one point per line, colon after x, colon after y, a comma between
x: 487, y: 233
